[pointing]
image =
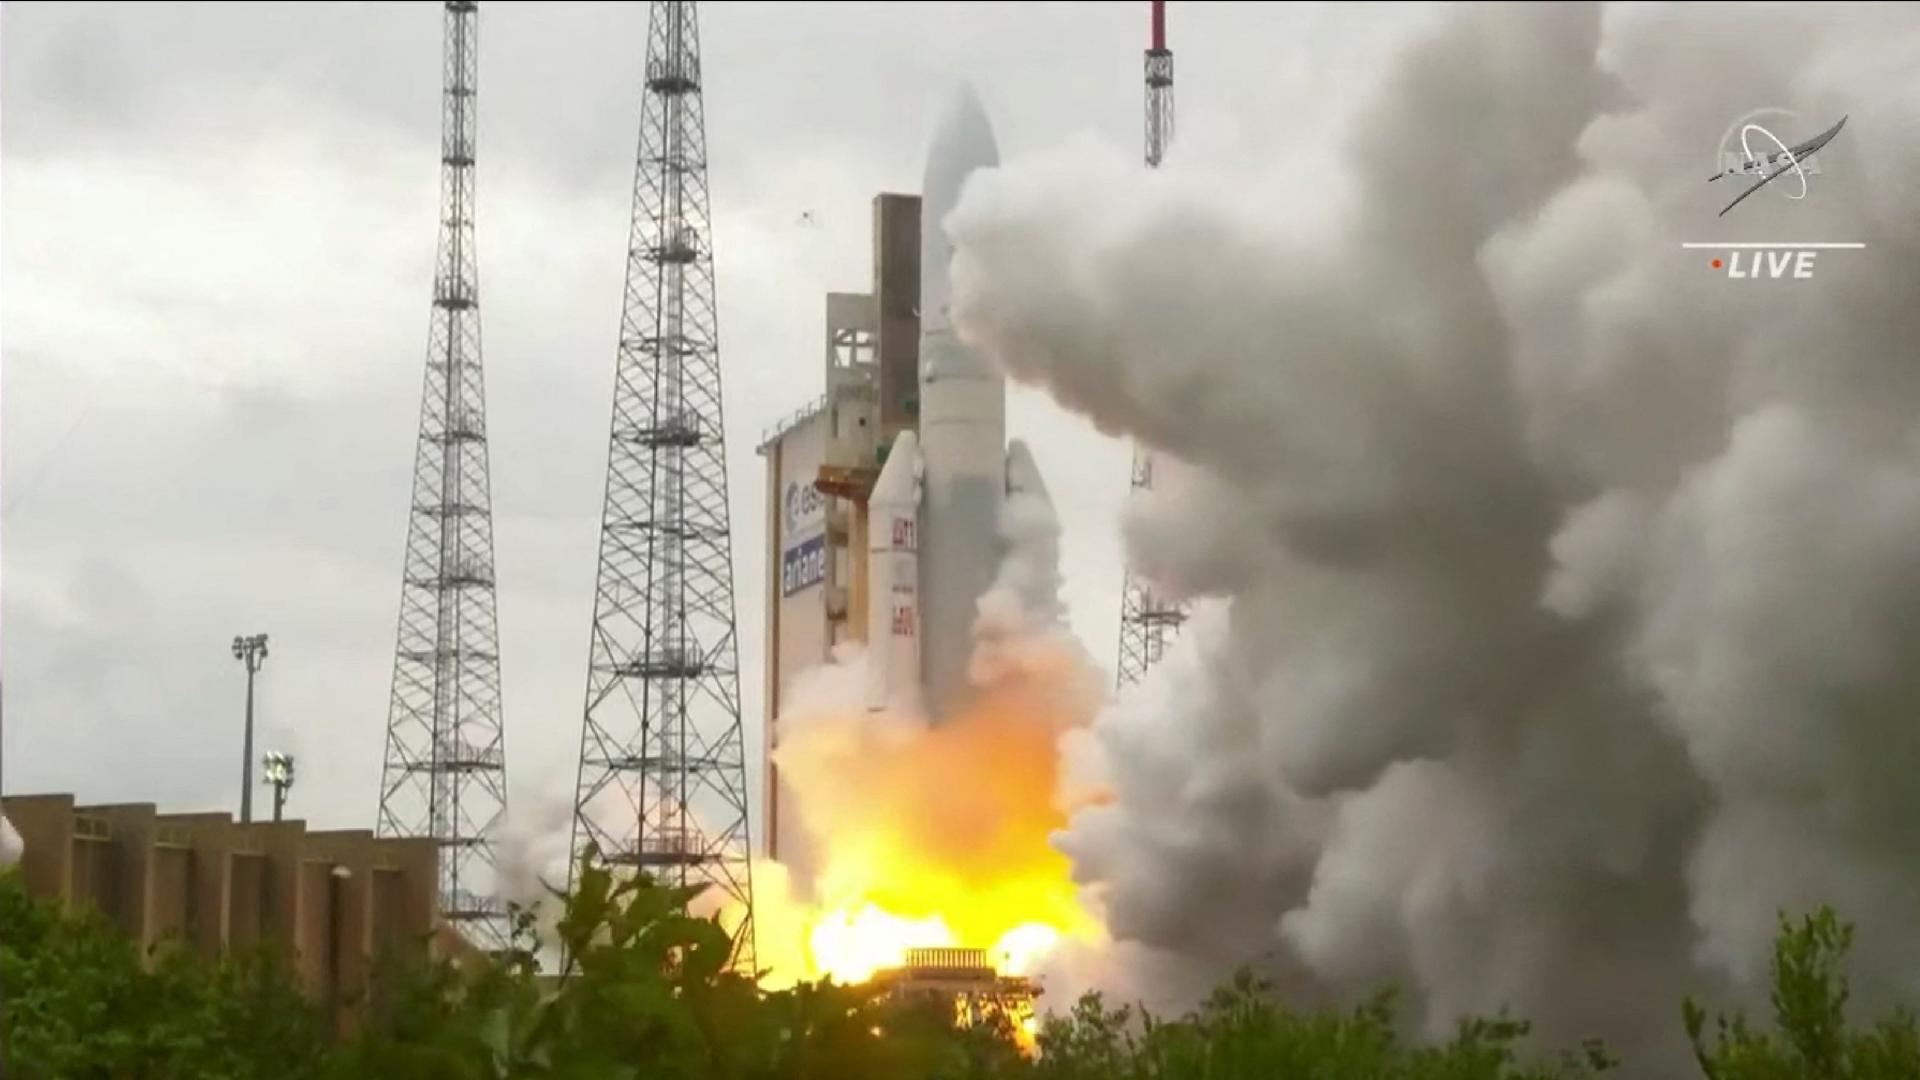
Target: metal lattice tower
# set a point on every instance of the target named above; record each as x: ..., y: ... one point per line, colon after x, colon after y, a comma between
x: 662, y: 785
x: 1148, y: 622
x: 445, y: 773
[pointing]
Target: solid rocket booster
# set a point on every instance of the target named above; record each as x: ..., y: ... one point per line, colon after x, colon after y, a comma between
x: 963, y: 423
x: 893, y: 581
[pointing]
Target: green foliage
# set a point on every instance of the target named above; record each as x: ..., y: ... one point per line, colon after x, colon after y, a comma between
x: 645, y: 991
x: 80, y: 1003
x: 1241, y: 1033
x: 1812, y: 1040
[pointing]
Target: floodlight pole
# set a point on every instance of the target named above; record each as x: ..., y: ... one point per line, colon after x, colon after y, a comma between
x: 251, y: 651
x: 279, y: 770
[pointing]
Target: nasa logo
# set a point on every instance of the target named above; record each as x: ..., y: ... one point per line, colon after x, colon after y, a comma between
x: 1750, y: 149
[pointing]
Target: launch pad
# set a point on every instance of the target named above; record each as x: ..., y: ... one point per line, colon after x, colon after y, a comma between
x: 979, y: 994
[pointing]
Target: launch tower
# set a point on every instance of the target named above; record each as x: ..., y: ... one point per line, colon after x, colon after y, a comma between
x: 1149, y: 621
x: 445, y: 773
x: 662, y: 784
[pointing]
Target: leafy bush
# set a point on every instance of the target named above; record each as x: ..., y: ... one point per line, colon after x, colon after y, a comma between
x: 645, y: 992
x: 1242, y: 1032
x: 79, y: 1003
x: 1813, y: 1041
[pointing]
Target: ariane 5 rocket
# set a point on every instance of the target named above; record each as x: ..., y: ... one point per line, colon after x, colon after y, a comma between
x: 933, y: 527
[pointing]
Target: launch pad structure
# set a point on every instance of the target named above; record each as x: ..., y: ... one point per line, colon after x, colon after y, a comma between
x: 662, y: 786
x: 1149, y: 620
x: 822, y: 464
x: 444, y: 772
x: 979, y: 994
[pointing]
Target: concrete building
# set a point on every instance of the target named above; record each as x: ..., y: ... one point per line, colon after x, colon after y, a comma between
x: 327, y: 903
x: 822, y: 463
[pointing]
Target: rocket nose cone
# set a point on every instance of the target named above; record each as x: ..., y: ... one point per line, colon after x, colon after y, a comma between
x: 962, y: 142
x: 964, y: 133
x: 899, y: 477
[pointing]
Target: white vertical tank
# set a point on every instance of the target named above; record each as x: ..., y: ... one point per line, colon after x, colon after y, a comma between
x: 963, y: 422
x: 893, y: 580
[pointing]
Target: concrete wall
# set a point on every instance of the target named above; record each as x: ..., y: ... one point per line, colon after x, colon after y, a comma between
x: 249, y: 906
x: 324, y: 902
x: 171, y: 898
x: 209, y: 845
x: 131, y: 867
x: 45, y: 825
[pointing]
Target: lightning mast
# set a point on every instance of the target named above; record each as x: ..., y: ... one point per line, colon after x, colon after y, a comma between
x: 662, y: 785
x: 445, y: 774
x: 1148, y: 622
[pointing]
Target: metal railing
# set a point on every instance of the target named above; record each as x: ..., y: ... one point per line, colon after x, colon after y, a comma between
x: 792, y: 420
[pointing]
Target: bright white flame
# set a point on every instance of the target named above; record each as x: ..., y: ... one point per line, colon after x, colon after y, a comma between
x: 1020, y: 950
x: 850, y: 946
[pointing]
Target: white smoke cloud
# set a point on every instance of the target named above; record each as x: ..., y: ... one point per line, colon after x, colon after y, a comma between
x: 1568, y: 589
x: 10, y: 846
x: 535, y: 853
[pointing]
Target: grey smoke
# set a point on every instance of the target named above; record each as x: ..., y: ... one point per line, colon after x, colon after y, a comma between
x: 1564, y: 594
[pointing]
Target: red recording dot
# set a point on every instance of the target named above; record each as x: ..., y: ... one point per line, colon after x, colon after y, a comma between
x: 1716, y: 264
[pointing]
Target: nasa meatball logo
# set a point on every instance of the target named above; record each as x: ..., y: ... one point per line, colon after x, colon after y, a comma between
x: 1750, y: 148
x: 1754, y: 154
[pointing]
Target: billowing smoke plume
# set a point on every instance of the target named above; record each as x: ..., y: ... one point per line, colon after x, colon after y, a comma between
x: 1564, y: 593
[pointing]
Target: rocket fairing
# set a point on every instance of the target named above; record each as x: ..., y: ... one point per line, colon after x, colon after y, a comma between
x: 934, y: 550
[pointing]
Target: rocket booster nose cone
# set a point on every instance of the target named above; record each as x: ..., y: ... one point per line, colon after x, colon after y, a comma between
x: 962, y: 142
x: 899, y: 477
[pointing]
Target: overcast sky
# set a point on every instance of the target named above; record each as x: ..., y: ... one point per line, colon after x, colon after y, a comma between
x: 216, y: 243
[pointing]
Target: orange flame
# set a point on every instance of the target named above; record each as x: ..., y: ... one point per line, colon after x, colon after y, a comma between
x: 929, y: 835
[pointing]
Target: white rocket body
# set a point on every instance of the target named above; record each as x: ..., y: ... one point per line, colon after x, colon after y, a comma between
x: 893, y: 581
x: 934, y: 547
x: 963, y: 423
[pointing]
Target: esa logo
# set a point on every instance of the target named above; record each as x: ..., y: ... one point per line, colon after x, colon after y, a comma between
x: 802, y: 506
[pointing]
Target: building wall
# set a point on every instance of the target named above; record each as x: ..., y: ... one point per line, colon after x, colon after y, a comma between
x: 46, y: 866
x: 249, y: 901
x: 130, y: 827
x: 171, y: 898
x: 797, y: 565
x: 218, y: 886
